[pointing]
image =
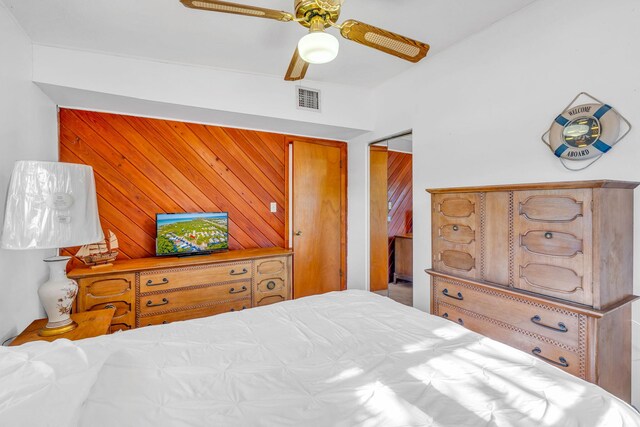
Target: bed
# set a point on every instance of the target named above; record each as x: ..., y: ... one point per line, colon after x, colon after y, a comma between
x: 341, y: 359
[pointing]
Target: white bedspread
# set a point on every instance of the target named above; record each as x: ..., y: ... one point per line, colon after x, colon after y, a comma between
x: 341, y: 359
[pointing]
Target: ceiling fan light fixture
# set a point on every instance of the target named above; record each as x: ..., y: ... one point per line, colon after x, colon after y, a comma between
x: 318, y: 47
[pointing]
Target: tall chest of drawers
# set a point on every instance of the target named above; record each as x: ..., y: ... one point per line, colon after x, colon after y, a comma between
x: 154, y: 291
x: 546, y: 268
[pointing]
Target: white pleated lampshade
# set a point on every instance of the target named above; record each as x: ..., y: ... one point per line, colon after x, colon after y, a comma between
x: 50, y: 205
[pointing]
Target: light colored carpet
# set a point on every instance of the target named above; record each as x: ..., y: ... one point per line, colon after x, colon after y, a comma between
x: 401, y: 292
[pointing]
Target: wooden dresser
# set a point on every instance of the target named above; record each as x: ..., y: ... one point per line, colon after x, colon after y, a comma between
x: 546, y: 268
x: 154, y: 291
x: 403, y: 258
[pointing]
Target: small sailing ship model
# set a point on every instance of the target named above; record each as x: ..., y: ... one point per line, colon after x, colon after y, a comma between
x: 99, y: 254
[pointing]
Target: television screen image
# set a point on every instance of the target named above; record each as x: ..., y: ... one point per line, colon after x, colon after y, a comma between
x: 191, y: 233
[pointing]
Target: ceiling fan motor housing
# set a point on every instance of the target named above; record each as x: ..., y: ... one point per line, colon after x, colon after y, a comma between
x: 306, y: 10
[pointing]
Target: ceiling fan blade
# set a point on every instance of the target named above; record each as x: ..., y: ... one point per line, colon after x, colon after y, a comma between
x: 383, y: 40
x: 238, y: 9
x: 297, y: 68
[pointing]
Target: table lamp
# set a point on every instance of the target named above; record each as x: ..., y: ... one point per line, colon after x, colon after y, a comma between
x: 52, y: 205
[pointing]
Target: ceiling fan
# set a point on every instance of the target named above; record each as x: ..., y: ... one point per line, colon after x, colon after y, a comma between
x: 319, y: 47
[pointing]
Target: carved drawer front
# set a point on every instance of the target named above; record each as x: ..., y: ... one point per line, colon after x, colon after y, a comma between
x: 541, y: 319
x: 569, y: 359
x: 272, y: 267
x: 105, y: 289
x: 124, y: 315
x: 554, y: 243
x: 455, y: 235
x: 556, y: 206
x: 196, y: 275
x: 191, y: 298
x: 226, y: 307
x: 457, y: 260
x: 269, y: 291
x: 269, y: 299
x: 456, y: 205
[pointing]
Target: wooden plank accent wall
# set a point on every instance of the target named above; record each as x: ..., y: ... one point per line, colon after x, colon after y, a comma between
x: 146, y: 166
x: 400, y: 195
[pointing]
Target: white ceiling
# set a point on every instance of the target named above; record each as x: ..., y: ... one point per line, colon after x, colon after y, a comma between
x: 167, y: 31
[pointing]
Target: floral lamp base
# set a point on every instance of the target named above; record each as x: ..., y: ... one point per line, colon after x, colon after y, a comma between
x: 57, y: 295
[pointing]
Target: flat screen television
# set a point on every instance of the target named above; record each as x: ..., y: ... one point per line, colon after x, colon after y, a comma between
x: 191, y: 233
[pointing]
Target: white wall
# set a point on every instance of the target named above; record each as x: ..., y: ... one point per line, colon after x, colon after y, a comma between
x: 358, y: 216
x: 28, y: 130
x: 478, y: 109
x: 101, y: 81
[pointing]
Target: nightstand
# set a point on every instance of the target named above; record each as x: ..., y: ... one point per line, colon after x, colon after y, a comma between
x: 90, y: 324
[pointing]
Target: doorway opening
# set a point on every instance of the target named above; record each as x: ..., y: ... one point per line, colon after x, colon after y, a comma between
x: 391, y: 218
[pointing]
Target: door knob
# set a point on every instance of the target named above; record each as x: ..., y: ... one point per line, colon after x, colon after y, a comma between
x: 298, y: 233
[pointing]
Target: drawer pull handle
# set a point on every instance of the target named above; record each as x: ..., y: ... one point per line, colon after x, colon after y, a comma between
x: 235, y: 273
x: 244, y: 307
x: 548, y: 235
x: 561, y: 326
x: 109, y: 306
x: 561, y: 360
x: 271, y: 285
x: 164, y: 282
x: 164, y: 322
x: 446, y: 293
x: 455, y: 228
x: 239, y: 291
x: 151, y: 304
x: 461, y: 321
x: 446, y: 315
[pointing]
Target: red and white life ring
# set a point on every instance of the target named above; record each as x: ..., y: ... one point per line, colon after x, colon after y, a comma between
x: 584, y: 131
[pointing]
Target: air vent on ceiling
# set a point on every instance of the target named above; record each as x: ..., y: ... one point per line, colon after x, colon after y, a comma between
x: 308, y: 99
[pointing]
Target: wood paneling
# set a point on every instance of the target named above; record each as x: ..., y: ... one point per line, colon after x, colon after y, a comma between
x: 400, y: 197
x: 147, y: 166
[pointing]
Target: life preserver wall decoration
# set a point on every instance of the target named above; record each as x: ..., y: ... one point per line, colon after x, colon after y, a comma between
x: 585, y: 131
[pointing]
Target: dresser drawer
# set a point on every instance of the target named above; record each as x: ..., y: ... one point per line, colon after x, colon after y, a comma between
x: 542, y: 319
x: 105, y: 289
x: 124, y: 314
x: 559, y: 355
x: 553, y: 206
x: 272, y: 267
x: 190, y: 276
x: 270, y: 291
x: 227, y: 307
x: 186, y: 298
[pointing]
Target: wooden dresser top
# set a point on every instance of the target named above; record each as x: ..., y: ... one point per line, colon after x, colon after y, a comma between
x: 539, y: 186
x: 171, y: 262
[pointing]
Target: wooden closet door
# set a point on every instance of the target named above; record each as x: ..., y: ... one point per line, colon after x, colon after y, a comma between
x: 378, y: 213
x: 456, y: 220
x: 319, y: 212
x: 553, y: 232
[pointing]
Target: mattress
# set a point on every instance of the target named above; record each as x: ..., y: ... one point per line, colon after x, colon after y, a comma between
x: 341, y: 359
